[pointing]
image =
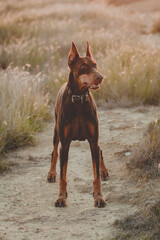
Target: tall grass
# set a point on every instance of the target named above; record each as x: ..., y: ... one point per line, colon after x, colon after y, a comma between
x: 35, y: 55
x: 10, y: 32
x: 131, y: 69
x: 23, y: 108
x: 131, y: 72
x: 142, y: 225
x: 39, y: 42
x: 145, y: 159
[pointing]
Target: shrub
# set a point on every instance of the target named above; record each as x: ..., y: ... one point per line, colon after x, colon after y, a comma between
x: 146, y: 156
x: 143, y: 225
x: 23, y: 108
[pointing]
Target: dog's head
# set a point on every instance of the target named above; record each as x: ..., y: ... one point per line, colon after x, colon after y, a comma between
x: 84, y: 69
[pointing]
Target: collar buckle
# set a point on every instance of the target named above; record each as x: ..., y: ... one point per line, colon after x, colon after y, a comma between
x: 79, y: 98
x: 82, y: 99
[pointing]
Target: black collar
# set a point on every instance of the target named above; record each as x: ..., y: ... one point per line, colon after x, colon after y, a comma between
x: 78, y: 98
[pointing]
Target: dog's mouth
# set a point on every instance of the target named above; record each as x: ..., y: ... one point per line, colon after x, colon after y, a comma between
x: 94, y: 86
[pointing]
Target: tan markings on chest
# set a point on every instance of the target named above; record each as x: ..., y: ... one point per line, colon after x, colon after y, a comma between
x: 78, y: 129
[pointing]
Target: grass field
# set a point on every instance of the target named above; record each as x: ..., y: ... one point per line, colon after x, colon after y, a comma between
x: 35, y: 38
x: 33, y: 59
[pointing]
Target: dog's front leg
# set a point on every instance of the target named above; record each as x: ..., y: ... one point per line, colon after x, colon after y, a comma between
x: 52, y: 172
x: 98, y: 198
x: 103, y: 170
x: 61, y: 201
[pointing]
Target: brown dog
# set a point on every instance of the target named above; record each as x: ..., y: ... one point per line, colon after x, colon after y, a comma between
x: 76, y: 119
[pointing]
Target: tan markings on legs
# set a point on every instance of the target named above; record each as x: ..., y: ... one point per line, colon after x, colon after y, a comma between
x: 67, y: 131
x: 91, y: 129
x: 61, y: 201
x: 98, y: 198
x: 52, y: 172
x: 103, y: 170
x: 63, y: 181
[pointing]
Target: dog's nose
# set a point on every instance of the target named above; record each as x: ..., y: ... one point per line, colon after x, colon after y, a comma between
x: 99, y: 77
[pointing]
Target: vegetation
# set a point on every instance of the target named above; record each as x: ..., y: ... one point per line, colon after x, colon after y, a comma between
x: 29, y: 48
x: 23, y: 108
x: 144, y: 225
x: 33, y: 65
x: 145, y: 159
x: 3, y: 167
x: 132, y: 73
x: 131, y: 70
x: 10, y: 32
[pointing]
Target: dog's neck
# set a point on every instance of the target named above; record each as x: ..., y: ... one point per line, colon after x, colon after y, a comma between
x: 73, y: 85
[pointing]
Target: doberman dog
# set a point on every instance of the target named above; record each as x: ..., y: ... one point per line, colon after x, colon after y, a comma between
x: 76, y: 119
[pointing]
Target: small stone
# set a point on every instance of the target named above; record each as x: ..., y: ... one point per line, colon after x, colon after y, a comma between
x: 20, y: 228
x: 127, y: 154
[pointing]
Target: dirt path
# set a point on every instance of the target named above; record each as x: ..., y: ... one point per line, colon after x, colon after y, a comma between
x: 27, y: 209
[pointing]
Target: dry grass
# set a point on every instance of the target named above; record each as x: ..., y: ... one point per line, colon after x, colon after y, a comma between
x: 3, y: 166
x: 146, y: 156
x: 131, y: 70
x: 143, y: 225
x: 39, y: 42
x: 9, y: 32
x: 35, y: 38
x: 23, y: 108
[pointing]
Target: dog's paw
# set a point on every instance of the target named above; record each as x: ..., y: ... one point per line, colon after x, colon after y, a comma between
x: 99, y: 201
x: 104, y: 175
x: 60, y: 202
x: 51, y: 177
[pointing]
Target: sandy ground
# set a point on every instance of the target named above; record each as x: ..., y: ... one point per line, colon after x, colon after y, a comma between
x: 27, y: 209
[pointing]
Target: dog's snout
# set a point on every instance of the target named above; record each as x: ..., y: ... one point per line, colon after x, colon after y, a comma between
x: 99, y: 77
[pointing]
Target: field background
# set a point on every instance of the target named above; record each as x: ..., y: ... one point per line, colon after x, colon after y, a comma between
x: 35, y: 38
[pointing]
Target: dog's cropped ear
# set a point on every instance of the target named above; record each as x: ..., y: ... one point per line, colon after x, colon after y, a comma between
x: 88, y: 53
x: 73, y: 54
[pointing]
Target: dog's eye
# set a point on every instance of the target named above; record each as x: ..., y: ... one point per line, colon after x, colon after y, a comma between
x: 84, y: 67
x: 95, y: 65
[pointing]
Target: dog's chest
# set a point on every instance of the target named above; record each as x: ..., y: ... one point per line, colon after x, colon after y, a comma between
x: 79, y: 123
x: 78, y: 129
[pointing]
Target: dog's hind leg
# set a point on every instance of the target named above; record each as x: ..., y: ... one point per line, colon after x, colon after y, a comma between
x: 61, y: 201
x: 103, y: 170
x: 52, y: 172
x: 98, y: 198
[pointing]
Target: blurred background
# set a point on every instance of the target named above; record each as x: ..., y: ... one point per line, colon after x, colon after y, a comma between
x: 35, y: 38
